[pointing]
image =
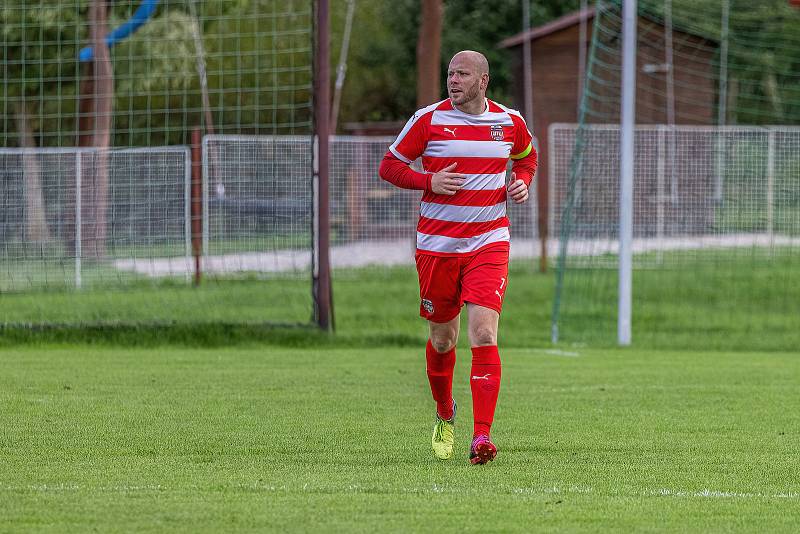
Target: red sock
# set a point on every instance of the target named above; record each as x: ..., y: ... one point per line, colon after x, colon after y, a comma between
x: 485, y: 385
x: 440, y: 376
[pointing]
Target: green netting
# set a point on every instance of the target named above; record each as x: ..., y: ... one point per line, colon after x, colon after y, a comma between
x: 96, y: 167
x: 716, y: 180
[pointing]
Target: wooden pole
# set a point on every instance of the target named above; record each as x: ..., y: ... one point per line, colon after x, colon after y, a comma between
x: 322, y: 106
x: 429, y: 55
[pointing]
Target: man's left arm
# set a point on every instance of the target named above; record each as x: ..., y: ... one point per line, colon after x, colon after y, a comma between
x: 525, y: 162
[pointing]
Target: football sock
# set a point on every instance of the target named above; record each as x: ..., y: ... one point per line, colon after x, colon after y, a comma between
x: 440, y: 375
x: 485, y: 385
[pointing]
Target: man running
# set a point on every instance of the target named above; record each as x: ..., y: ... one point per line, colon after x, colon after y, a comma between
x: 465, y: 142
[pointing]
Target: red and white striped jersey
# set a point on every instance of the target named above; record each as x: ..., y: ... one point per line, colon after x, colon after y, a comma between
x: 480, y: 146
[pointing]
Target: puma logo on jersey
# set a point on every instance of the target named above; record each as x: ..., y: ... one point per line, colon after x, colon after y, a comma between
x: 496, y: 292
x: 484, y: 377
x: 453, y: 131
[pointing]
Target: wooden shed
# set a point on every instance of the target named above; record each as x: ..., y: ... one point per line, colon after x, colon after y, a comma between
x: 556, y: 74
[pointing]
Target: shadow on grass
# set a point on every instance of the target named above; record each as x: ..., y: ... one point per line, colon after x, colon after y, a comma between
x: 195, y: 335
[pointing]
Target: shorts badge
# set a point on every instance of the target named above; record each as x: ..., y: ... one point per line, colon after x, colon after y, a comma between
x: 428, y: 305
x: 496, y: 132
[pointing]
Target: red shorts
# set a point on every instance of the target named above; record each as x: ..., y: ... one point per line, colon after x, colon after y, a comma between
x: 446, y: 283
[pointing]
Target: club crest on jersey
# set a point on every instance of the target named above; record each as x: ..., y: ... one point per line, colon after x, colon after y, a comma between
x: 428, y: 305
x: 496, y: 132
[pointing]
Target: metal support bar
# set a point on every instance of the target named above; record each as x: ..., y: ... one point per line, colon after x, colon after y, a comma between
x: 78, y: 218
x: 628, y: 116
x: 324, y: 292
x: 771, y: 189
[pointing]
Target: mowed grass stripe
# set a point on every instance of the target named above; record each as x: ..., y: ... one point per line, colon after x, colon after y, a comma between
x: 737, y: 303
x: 309, y: 440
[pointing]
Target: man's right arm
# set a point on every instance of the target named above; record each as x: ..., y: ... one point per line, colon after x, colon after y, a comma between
x: 397, y: 172
x: 410, y: 145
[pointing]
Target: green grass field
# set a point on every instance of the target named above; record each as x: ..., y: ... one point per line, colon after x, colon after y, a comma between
x: 206, y: 420
x: 276, y: 439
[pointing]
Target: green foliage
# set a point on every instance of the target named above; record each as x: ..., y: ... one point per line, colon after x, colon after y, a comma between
x: 161, y: 58
x: 765, y: 59
x: 381, y: 70
x: 38, y: 76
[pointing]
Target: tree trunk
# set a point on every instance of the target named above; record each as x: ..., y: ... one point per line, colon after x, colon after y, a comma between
x: 773, y: 92
x: 35, y: 221
x: 96, y: 102
x: 733, y: 98
x: 429, y: 45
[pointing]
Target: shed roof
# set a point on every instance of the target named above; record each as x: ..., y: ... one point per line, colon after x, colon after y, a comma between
x: 546, y: 29
x: 576, y: 17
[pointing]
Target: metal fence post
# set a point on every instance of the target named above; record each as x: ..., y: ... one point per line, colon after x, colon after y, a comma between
x: 78, y: 219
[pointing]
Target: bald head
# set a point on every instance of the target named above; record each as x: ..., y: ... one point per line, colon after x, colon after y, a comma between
x: 476, y: 59
x: 467, y: 79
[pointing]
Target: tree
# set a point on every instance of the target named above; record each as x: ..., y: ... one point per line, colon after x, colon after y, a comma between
x: 96, y: 107
x: 36, y: 231
x: 429, y: 52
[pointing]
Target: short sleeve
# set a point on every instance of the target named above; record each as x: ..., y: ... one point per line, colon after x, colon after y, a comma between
x: 411, y: 142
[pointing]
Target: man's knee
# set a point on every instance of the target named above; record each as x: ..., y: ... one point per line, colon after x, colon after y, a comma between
x: 483, y: 335
x: 444, y: 336
x: 443, y: 342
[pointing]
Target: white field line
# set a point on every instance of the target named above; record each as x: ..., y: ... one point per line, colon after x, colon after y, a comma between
x: 706, y: 493
x: 62, y: 487
x: 423, y: 490
x: 401, y: 252
x: 557, y: 352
